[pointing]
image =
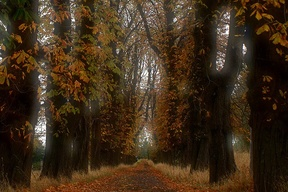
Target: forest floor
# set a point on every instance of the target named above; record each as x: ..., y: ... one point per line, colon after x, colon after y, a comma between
x: 140, y: 177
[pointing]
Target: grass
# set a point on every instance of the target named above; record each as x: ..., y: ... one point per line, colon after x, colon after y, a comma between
x: 238, y: 182
x: 241, y: 181
x: 38, y: 185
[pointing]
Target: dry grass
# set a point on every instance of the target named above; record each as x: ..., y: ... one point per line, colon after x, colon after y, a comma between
x: 38, y: 185
x: 238, y: 182
x: 241, y: 181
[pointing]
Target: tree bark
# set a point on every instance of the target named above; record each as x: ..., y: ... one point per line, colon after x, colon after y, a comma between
x: 81, y: 145
x: 58, y: 152
x: 95, y: 136
x: 82, y: 122
x: 18, y: 101
x: 58, y: 156
x: 216, y: 93
x: 269, y: 109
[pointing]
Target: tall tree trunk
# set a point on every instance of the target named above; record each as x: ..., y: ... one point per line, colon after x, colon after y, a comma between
x: 58, y: 153
x: 81, y: 145
x: 196, y: 117
x: 18, y: 101
x: 268, y: 85
x: 217, y: 91
x: 221, y: 156
x: 82, y: 130
x: 112, y: 119
x: 221, y: 161
x: 95, y: 136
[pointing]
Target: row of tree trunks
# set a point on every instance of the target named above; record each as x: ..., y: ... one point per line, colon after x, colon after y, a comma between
x: 18, y: 101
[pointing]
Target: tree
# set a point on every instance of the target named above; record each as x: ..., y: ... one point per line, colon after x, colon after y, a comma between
x: 82, y: 121
x: 266, y: 43
x: 58, y: 152
x: 38, y: 153
x: 18, y: 87
x: 218, y: 86
x: 166, y: 37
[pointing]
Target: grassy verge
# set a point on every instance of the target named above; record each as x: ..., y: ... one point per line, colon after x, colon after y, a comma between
x: 38, y: 185
x: 241, y: 181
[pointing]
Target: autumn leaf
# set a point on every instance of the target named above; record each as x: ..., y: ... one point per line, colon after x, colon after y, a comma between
x: 3, y: 74
x: 283, y: 94
x: 17, y: 38
x: 77, y: 84
x: 279, y: 51
x: 267, y: 78
x: 22, y: 27
x: 3, y: 47
x: 262, y: 29
x: 274, y: 106
x: 267, y: 16
x: 258, y: 16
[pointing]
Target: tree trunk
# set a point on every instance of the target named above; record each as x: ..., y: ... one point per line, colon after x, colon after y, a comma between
x: 81, y: 145
x: 58, y: 152
x: 95, y: 136
x: 82, y: 121
x: 198, y: 134
x: 199, y: 151
x: 221, y: 156
x: 18, y: 101
x: 58, y: 155
x: 267, y: 83
x: 218, y: 88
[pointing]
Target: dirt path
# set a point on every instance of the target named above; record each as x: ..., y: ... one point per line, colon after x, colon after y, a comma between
x: 141, y: 177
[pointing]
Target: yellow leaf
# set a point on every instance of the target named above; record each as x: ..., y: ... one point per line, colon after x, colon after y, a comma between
x: 262, y: 29
x: 283, y: 94
x: 77, y: 84
x: 258, y: 16
x: 15, y: 55
x: 3, y: 74
x: 267, y: 78
x: 274, y: 106
x: 279, y: 51
x: 22, y: 27
x: 3, y: 47
x: 276, y: 38
x: 202, y: 52
x: 2, y: 79
x: 17, y: 38
x: 240, y: 11
x: 21, y: 57
x: 33, y: 26
x: 267, y: 16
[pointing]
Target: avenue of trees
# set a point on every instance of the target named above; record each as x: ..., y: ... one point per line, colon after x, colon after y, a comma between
x: 175, y: 81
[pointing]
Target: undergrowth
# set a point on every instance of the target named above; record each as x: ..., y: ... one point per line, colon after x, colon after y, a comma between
x: 241, y: 181
x: 38, y: 184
